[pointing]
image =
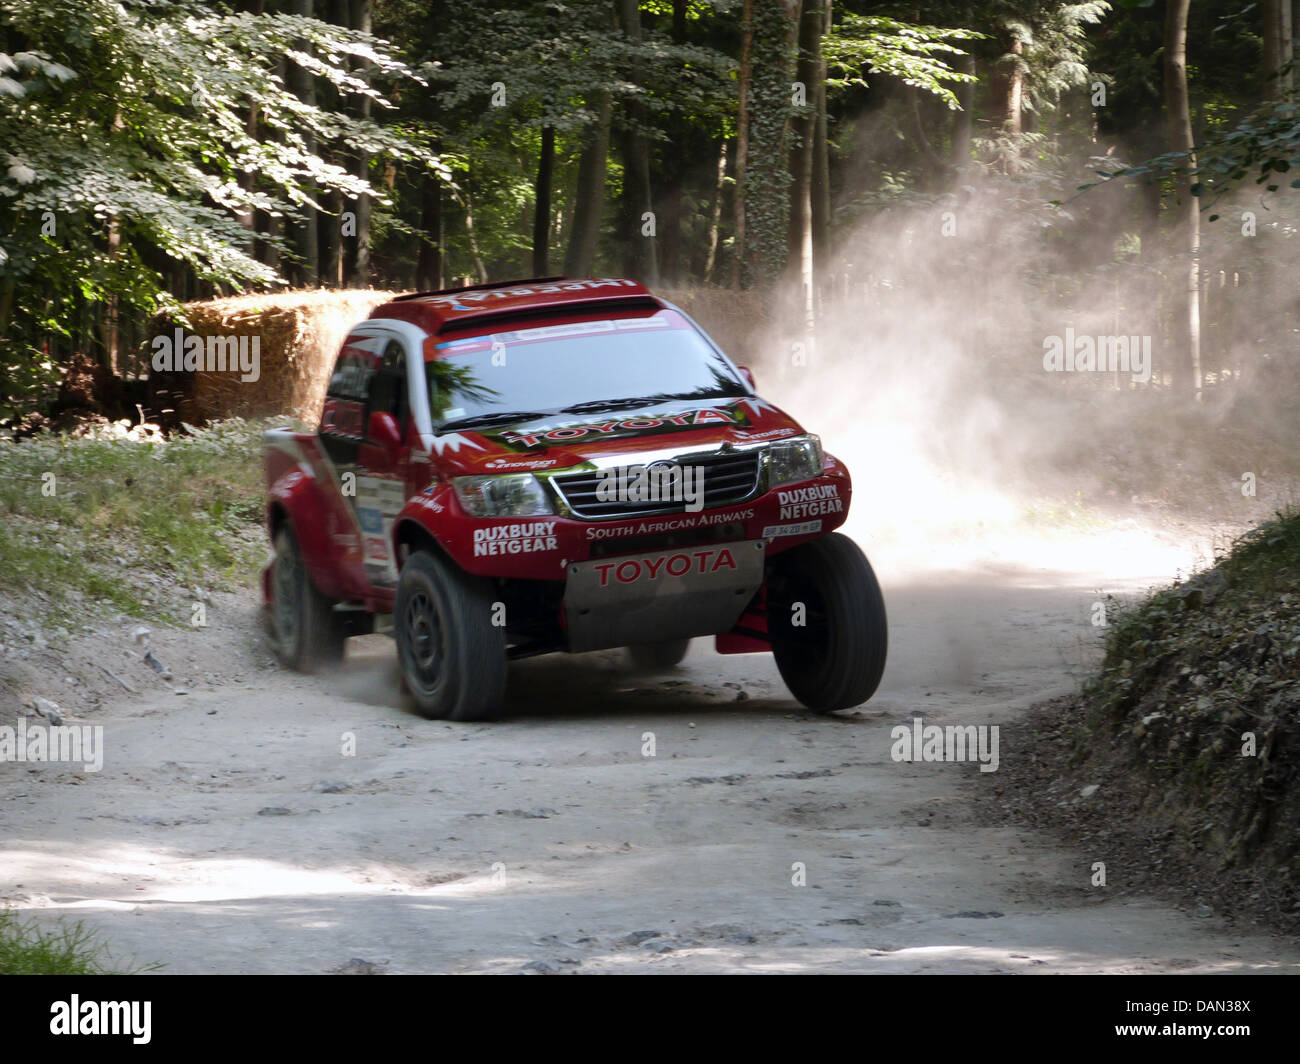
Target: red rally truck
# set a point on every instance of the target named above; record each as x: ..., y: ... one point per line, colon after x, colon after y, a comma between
x: 560, y: 465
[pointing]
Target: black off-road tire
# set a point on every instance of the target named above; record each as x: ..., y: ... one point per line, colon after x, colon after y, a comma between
x: 306, y: 634
x: 452, y: 657
x: 655, y: 657
x: 835, y: 659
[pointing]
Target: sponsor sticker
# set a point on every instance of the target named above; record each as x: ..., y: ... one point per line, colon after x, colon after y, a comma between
x: 772, y: 434
x: 378, y: 501
x: 521, y: 463
x: 458, y: 300
x: 655, y: 567
x: 621, y: 426
x: 670, y: 524
x: 525, y: 538
x: 806, y: 502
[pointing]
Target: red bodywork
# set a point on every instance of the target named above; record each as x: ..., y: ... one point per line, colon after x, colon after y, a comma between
x: 344, y: 557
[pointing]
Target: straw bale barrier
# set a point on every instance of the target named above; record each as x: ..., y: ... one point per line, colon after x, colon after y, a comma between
x: 299, y: 334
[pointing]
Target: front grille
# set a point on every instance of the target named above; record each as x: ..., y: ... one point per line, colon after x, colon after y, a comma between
x: 728, y: 479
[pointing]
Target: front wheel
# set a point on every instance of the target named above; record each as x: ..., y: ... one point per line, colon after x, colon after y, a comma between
x: 826, y: 621
x: 453, y: 658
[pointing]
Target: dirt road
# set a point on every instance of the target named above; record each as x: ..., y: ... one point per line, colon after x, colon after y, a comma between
x: 229, y: 830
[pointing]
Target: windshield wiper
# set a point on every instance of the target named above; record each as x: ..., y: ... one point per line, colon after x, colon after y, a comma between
x: 491, y: 418
x: 631, y: 400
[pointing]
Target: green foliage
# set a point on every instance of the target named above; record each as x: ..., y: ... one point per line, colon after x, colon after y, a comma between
x: 913, y: 54
x: 127, y: 144
x: 553, y: 60
x: 1055, y: 42
x: 1263, y: 146
x: 499, y: 71
x: 1247, y: 644
x: 124, y: 508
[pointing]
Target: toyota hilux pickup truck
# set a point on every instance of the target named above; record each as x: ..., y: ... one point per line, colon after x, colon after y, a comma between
x: 558, y: 464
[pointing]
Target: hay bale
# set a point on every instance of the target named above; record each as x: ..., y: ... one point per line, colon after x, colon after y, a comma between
x: 299, y: 335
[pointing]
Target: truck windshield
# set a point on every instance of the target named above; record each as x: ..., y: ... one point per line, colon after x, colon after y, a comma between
x: 533, y: 372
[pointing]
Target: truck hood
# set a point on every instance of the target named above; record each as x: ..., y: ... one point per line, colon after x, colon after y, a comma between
x: 558, y: 441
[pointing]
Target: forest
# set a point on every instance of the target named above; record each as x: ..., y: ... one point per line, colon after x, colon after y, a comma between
x: 154, y: 153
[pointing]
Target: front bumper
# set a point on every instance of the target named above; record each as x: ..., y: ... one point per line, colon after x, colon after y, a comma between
x: 544, y: 548
x: 672, y: 594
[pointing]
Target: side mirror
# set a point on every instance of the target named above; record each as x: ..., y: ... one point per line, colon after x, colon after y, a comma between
x: 383, y: 432
x: 748, y: 375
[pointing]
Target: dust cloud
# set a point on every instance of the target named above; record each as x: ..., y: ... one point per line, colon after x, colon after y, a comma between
x: 928, y: 374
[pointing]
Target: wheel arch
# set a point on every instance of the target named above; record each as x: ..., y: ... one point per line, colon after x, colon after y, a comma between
x: 295, y: 499
x: 411, y: 534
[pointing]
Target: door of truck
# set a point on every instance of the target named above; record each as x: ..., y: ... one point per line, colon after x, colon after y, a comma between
x: 370, y: 474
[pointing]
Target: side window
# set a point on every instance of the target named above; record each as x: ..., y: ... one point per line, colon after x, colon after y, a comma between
x: 388, y: 386
x: 344, y: 412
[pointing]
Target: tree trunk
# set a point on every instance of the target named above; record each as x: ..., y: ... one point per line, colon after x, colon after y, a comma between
x: 671, y: 172
x: 821, y: 178
x: 336, y: 13
x: 1187, y: 376
x: 1294, y: 26
x: 480, y: 269
x: 715, y: 218
x: 1011, y: 104
x: 331, y: 239
x: 272, y: 227
x: 1276, y: 52
x: 360, y: 17
x: 589, y: 197
x: 1007, y: 86
x: 542, y: 204
x: 429, y: 262
x: 804, y: 128
x: 306, y: 243
x: 248, y: 179
x: 742, y: 140
x: 766, y: 188
x: 961, y: 128
x: 637, y: 194
x: 111, y: 333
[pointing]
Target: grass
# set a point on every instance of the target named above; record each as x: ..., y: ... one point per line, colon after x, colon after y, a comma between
x: 69, y: 949
x: 97, y: 517
x: 1216, y: 644
x: 1267, y: 559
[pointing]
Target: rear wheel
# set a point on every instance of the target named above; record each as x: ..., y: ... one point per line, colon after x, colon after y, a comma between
x: 453, y: 658
x: 654, y: 656
x: 306, y: 633
x: 826, y: 621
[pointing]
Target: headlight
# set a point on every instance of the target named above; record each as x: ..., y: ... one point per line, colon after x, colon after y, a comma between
x: 796, y: 459
x: 504, y: 495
